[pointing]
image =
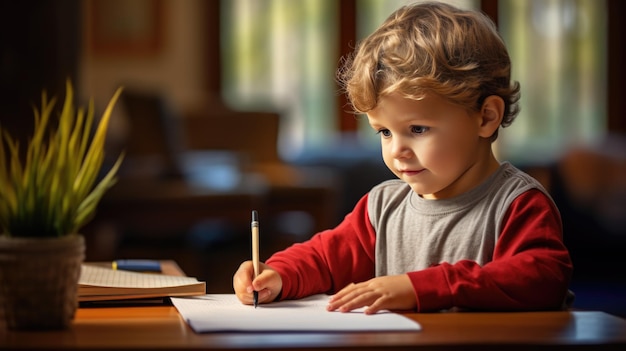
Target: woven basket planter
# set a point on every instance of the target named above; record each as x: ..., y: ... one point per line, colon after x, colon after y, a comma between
x: 39, y: 281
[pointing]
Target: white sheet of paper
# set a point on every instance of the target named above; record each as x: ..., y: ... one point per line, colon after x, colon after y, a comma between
x: 224, y: 313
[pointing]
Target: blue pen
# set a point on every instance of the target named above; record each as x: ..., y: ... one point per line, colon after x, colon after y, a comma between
x: 137, y: 265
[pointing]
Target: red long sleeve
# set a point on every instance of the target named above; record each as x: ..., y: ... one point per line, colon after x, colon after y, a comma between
x: 331, y: 259
x: 530, y: 270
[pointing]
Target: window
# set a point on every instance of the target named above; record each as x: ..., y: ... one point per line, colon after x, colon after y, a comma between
x: 558, y: 49
x: 282, y: 55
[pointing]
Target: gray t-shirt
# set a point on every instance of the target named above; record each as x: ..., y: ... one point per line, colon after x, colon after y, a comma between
x: 413, y: 233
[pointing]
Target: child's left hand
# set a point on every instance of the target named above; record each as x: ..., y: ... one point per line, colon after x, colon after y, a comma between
x: 390, y: 292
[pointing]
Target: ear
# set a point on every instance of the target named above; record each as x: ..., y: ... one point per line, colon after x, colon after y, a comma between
x: 491, y: 114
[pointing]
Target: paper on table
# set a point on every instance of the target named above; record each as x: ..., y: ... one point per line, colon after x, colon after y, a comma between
x: 224, y: 313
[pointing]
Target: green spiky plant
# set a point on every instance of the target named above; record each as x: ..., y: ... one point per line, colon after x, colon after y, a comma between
x: 53, y: 189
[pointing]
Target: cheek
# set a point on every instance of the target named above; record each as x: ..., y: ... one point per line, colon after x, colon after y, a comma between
x: 386, y: 153
x: 442, y: 152
x: 388, y: 159
x: 460, y: 149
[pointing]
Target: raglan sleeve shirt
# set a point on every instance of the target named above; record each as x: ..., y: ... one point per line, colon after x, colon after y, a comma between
x: 530, y: 268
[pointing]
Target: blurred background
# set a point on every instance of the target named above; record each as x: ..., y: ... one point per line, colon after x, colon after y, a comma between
x: 230, y: 106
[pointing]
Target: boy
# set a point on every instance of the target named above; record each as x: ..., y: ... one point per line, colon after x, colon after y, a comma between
x: 458, y: 229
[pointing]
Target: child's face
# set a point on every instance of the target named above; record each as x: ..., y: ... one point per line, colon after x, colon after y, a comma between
x: 432, y: 145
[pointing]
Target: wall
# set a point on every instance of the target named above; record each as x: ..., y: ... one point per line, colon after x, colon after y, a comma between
x: 176, y: 68
x: 39, y: 42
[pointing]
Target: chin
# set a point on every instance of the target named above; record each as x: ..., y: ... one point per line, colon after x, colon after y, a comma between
x: 418, y: 190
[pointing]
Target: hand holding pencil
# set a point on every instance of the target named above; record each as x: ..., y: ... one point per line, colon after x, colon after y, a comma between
x: 255, y: 282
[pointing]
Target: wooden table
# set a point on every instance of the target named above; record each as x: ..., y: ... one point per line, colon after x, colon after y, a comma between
x: 161, y: 327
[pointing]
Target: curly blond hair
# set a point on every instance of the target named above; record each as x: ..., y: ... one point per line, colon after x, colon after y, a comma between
x: 432, y: 48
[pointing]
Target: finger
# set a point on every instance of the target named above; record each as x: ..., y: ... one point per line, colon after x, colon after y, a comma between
x: 244, y: 273
x: 357, y: 301
x: 242, y: 282
x: 354, y: 297
x: 262, y: 280
x: 265, y: 296
x: 340, y: 297
x: 374, y: 307
x: 260, y: 288
x: 346, y: 291
x: 244, y: 297
x: 268, y: 284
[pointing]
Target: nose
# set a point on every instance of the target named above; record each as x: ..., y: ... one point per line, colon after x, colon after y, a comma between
x: 399, y: 147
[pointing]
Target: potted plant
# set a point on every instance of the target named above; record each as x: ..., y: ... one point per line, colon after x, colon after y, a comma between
x: 48, y: 192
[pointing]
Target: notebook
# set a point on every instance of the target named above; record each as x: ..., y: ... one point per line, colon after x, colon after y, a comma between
x: 101, y: 283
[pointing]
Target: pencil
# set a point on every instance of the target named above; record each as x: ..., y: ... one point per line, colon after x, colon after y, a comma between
x: 255, y: 252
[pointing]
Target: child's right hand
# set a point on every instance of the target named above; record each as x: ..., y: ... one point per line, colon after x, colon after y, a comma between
x: 269, y: 283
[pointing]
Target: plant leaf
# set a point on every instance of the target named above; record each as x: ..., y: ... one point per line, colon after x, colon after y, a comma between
x: 52, y: 192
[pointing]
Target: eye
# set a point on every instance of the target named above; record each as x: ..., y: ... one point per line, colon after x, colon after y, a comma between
x: 386, y: 133
x: 419, y: 129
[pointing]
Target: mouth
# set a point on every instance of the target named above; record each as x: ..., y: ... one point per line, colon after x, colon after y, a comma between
x: 408, y: 172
